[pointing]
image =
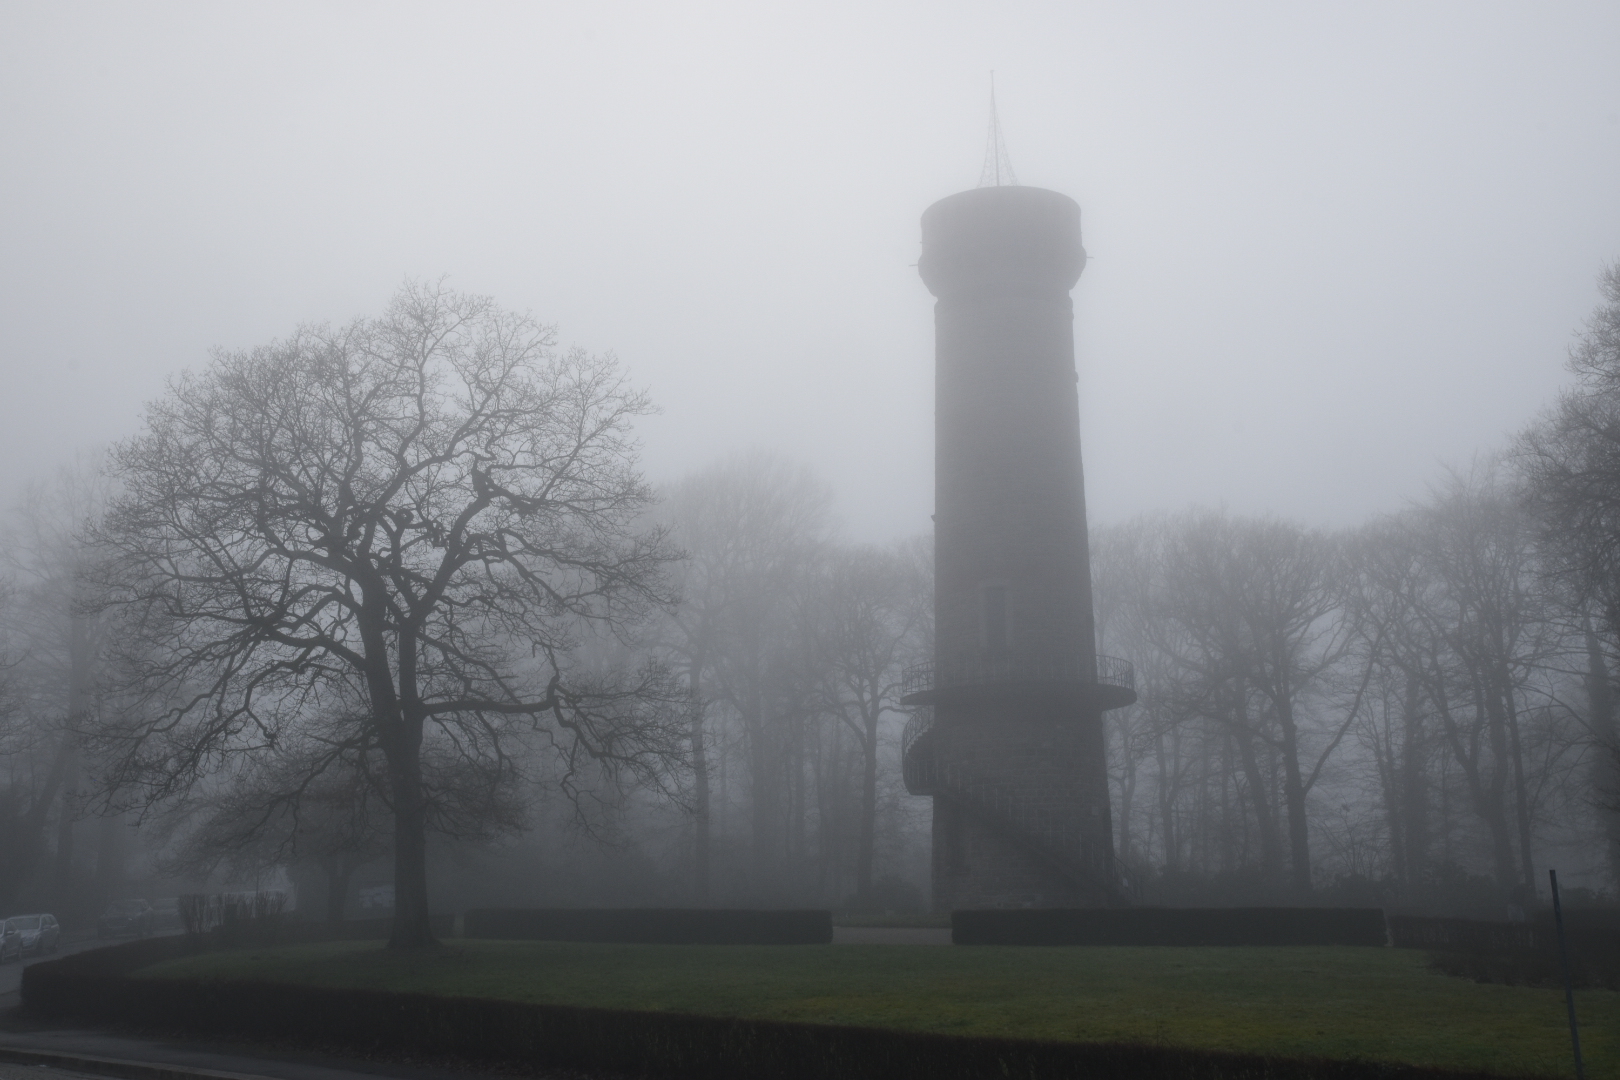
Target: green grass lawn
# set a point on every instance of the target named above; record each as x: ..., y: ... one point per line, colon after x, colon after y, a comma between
x: 1329, y: 1002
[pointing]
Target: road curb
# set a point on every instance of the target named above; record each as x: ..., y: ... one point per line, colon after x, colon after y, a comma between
x: 119, y: 1067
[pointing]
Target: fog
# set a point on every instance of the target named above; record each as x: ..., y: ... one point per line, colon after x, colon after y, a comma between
x: 1331, y: 249
x: 1337, y: 259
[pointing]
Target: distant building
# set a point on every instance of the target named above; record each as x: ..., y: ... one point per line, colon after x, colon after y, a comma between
x: 1007, y: 732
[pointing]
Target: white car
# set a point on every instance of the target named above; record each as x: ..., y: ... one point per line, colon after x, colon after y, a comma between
x: 36, y: 933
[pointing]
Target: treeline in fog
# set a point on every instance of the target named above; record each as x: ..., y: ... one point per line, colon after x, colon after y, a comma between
x: 1398, y: 714
x: 388, y: 612
x: 1417, y: 712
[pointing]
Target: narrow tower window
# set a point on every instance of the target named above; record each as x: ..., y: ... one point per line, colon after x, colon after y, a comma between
x: 995, y: 618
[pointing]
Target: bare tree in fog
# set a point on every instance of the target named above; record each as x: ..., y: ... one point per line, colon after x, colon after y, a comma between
x: 1428, y: 635
x: 753, y: 528
x: 1125, y: 563
x: 431, y: 512
x: 1571, y: 461
x: 792, y: 646
x: 1252, y: 600
x: 278, y: 808
x: 23, y: 805
x: 321, y: 797
x: 1476, y: 542
x: 1388, y: 585
x: 55, y: 647
x: 867, y: 617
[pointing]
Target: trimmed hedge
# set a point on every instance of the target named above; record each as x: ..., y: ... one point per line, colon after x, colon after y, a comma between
x: 1519, y: 952
x: 1470, y: 935
x: 443, y: 926
x: 1170, y: 926
x: 1592, y: 926
x: 93, y: 986
x: 652, y: 926
x: 281, y: 930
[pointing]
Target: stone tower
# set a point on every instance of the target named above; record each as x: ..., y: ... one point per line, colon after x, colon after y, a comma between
x: 1007, y: 732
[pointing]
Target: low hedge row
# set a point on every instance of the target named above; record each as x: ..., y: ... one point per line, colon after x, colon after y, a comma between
x: 1170, y: 926
x: 1518, y: 953
x: 281, y: 930
x: 1593, y: 927
x: 98, y: 988
x: 1471, y: 935
x: 652, y: 926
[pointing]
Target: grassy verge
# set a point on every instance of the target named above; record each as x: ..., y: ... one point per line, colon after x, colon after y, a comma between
x: 1381, y: 1004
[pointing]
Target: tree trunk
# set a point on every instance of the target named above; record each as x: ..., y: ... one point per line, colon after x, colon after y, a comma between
x: 78, y: 705
x: 1507, y: 872
x: 338, y: 874
x: 798, y: 820
x: 1485, y: 795
x: 863, y: 862
x: 66, y: 824
x: 411, y: 925
x: 110, y: 856
x: 1488, y: 792
x: 1127, y: 789
x: 700, y: 787
x: 1387, y: 757
x: 765, y: 778
x: 1167, y: 806
x: 400, y: 720
x: 1606, y: 766
x: 1521, y: 788
x: 1265, y: 820
x: 1299, y: 837
x: 1414, y: 790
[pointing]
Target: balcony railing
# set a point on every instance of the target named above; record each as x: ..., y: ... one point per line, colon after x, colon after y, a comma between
x: 920, y: 683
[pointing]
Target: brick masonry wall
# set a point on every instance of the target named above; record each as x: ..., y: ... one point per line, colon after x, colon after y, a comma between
x: 1010, y: 514
x: 1050, y: 766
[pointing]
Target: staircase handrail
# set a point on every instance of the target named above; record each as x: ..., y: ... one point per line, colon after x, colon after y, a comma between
x: 927, y: 675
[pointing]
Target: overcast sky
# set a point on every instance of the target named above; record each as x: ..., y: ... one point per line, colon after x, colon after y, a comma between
x: 1333, y: 246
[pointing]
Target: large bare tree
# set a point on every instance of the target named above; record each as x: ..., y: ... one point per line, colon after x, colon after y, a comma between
x: 432, y: 511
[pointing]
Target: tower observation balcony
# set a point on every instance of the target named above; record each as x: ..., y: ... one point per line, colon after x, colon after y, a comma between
x: 1020, y: 679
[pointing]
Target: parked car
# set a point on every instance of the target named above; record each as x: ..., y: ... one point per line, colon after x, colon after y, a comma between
x: 37, y: 933
x: 125, y: 918
x: 10, y: 942
x: 166, y: 914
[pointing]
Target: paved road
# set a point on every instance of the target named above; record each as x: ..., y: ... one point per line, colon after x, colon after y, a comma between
x: 10, y: 1071
x: 137, y: 1058
x: 68, y: 1051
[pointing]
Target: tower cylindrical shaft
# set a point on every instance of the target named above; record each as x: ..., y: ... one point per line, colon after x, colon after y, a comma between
x: 1021, y: 801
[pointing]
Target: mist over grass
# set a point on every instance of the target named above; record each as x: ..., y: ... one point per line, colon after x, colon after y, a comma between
x: 1377, y: 1004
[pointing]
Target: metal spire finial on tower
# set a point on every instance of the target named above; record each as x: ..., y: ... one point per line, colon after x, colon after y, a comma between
x: 998, y: 168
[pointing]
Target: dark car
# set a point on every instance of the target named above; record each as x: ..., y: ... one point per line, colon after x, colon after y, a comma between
x: 10, y: 942
x: 125, y: 918
x: 38, y: 933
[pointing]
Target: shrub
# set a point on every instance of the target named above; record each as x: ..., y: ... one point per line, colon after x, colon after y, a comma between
x: 200, y: 912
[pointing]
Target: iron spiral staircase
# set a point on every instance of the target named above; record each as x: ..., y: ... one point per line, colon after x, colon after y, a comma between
x: 1057, y: 840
